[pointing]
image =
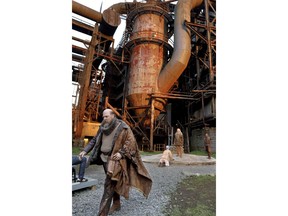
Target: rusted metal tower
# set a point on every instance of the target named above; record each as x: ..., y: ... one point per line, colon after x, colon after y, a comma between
x: 167, y: 56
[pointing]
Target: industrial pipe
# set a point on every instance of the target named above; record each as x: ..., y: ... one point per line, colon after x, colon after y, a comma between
x: 123, y: 8
x: 182, y: 46
x: 146, y: 71
x: 87, y: 12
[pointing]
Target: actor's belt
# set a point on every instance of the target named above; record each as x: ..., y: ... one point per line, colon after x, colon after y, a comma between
x: 105, y: 153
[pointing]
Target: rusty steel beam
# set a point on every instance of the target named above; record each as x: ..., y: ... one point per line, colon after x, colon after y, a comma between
x: 200, y: 25
x: 82, y: 27
x: 197, y: 33
x: 172, y: 97
x: 78, y: 50
x: 108, y: 25
x: 77, y: 58
x: 81, y: 40
x: 152, y: 123
x: 81, y: 51
x: 202, y: 61
x: 85, y: 85
x: 139, y: 107
x: 211, y: 73
x: 211, y: 6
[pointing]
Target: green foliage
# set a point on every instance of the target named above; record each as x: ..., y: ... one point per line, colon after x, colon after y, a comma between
x: 76, y: 150
x: 176, y: 212
x: 194, y: 195
x: 199, y: 210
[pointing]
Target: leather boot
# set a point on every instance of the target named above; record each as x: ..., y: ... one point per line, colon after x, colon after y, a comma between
x: 116, y: 204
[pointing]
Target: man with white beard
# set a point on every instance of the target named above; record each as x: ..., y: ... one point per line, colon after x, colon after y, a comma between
x: 115, y: 142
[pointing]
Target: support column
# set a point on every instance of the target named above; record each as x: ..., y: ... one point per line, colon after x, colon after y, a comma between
x: 152, y: 124
x: 211, y: 73
x: 86, y: 82
x: 203, y: 110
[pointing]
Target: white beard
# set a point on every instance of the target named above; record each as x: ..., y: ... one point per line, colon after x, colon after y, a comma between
x: 106, y: 125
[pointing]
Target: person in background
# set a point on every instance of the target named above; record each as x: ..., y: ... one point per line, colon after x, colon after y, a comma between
x: 115, y: 142
x: 166, y: 158
x: 178, y: 142
x: 207, y: 145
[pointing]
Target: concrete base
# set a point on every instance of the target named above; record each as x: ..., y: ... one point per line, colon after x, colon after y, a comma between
x: 187, y: 159
x: 80, y: 185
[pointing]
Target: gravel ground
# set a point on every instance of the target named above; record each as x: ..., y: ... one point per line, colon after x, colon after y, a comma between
x: 86, y: 202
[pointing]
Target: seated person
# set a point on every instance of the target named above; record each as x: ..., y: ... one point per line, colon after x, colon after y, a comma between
x: 166, y: 157
x: 82, y: 161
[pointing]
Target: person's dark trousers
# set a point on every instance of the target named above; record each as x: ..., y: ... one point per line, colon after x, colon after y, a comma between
x: 108, y: 193
x: 76, y: 160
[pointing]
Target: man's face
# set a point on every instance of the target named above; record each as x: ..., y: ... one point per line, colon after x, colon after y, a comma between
x: 107, y: 117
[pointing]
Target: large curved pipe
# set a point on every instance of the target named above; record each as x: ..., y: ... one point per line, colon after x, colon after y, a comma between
x: 123, y: 8
x: 110, y: 18
x: 182, y: 46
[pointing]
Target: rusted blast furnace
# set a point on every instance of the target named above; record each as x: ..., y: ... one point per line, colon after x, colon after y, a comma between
x: 149, y: 49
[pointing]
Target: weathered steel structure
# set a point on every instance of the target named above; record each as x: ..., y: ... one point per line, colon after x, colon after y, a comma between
x: 162, y: 74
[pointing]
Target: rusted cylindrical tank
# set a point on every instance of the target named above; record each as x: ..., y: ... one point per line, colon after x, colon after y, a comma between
x: 148, y: 44
x: 149, y: 71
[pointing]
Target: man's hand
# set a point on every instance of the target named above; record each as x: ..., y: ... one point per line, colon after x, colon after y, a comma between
x: 82, y: 154
x: 117, y: 156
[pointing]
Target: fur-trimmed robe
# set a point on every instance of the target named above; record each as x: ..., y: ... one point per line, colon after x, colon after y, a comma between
x: 131, y: 170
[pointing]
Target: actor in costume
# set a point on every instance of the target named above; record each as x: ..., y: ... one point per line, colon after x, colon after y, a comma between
x: 115, y: 142
x: 166, y: 157
x: 207, y: 145
x: 178, y: 142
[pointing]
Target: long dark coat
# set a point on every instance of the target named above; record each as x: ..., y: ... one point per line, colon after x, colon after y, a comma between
x: 131, y: 171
